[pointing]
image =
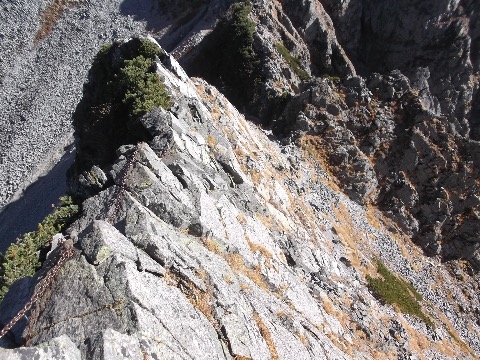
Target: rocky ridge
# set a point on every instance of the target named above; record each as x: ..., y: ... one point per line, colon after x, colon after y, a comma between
x: 400, y: 135
x: 288, y: 44
x: 400, y: 141
x: 224, y: 245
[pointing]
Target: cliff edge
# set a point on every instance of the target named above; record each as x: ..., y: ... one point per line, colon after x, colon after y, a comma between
x: 206, y: 239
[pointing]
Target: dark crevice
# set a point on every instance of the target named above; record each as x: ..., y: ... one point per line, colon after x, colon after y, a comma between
x: 177, y: 171
x: 290, y: 261
x: 236, y: 178
x: 222, y: 334
x: 474, y: 118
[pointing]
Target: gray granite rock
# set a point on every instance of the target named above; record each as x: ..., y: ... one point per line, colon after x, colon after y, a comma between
x: 57, y: 348
x: 183, y: 260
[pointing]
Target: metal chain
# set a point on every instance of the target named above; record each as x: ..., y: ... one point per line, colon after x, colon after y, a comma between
x: 67, y: 253
x: 121, y: 185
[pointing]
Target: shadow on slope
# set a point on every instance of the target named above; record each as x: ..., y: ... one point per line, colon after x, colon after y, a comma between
x: 24, y: 214
x: 149, y: 11
x: 172, y: 20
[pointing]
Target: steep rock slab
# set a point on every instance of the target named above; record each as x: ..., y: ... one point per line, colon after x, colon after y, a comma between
x: 274, y: 266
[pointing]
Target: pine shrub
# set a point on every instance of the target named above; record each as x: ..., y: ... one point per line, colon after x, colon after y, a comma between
x: 22, y: 258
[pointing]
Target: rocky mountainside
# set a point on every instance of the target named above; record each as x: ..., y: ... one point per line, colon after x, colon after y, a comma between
x: 331, y: 212
x: 403, y: 136
x: 206, y: 239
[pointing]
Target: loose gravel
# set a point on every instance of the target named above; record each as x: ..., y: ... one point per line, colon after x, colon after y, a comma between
x: 40, y: 85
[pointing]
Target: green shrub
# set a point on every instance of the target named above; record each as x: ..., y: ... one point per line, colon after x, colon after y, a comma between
x: 142, y: 88
x: 292, y: 61
x: 242, y: 30
x: 392, y: 289
x: 133, y: 82
x: 237, y: 60
x: 22, y: 258
x: 227, y: 58
x: 122, y: 85
x: 149, y: 50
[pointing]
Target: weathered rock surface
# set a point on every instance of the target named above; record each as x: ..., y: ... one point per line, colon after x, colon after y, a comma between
x: 59, y: 348
x: 387, y: 145
x: 220, y: 244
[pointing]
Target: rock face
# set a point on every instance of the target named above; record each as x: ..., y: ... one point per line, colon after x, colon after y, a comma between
x: 210, y: 241
x: 204, y: 236
x: 318, y: 31
x: 398, y: 140
x: 300, y: 29
x: 387, y: 145
x: 441, y: 35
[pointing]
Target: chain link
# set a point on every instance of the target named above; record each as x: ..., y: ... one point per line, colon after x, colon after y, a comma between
x: 121, y: 186
x: 68, y: 252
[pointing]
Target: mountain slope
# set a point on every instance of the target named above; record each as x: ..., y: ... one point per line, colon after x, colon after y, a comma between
x: 398, y: 142
x: 278, y: 47
x: 300, y: 234
x: 47, y: 49
x: 209, y: 240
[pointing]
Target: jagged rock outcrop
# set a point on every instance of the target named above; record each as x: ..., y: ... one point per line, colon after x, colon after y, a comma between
x: 440, y: 35
x: 211, y: 241
x: 388, y: 145
x: 256, y: 245
x: 289, y: 42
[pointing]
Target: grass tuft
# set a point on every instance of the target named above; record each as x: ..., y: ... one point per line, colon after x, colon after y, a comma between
x: 292, y: 61
x: 394, y: 290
